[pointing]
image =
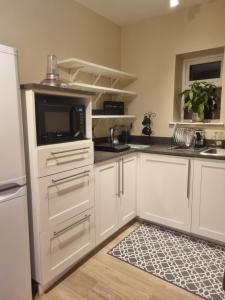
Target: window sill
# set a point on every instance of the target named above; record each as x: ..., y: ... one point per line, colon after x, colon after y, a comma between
x: 193, y: 124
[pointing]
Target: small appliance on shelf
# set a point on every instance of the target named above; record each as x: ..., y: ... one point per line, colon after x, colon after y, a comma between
x: 59, y: 119
x: 113, y: 108
x: 147, y: 123
x: 52, y: 76
x: 114, y: 145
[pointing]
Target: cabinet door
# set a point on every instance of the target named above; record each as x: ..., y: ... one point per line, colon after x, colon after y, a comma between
x: 208, y: 199
x: 63, y: 245
x: 65, y: 195
x: 164, y: 190
x: 128, y: 189
x: 53, y: 159
x: 106, y: 200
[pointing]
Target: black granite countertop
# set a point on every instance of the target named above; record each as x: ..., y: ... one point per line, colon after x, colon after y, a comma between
x: 164, y: 149
x: 100, y: 156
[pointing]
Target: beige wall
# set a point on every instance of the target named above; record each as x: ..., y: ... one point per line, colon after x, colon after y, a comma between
x: 149, y: 49
x: 62, y: 27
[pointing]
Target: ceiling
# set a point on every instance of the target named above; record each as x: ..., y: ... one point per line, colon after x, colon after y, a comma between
x: 123, y: 12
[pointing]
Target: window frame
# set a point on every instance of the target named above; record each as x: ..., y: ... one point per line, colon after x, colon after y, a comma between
x: 195, y: 61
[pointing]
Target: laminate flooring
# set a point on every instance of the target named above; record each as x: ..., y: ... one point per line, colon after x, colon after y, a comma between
x: 104, y: 277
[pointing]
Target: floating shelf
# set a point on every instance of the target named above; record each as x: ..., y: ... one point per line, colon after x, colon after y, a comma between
x: 113, y: 117
x: 219, y: 124
x: 91, y: 68
x: 102, y: 90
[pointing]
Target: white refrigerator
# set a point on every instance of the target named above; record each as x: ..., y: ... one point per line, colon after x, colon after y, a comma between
x: 15, y: 276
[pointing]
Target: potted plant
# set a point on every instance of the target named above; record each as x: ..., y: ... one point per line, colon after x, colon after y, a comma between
x: 201, y: 98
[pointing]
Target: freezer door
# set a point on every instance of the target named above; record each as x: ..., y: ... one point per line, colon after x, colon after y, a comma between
x: 11, y: 150
x: 15, y: 276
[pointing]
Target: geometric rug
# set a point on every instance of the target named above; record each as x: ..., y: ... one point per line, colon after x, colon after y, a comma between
x: 190, y: 263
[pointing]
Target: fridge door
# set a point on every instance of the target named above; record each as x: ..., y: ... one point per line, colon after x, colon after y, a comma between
x: 11, y: 150
x: 15, y: 276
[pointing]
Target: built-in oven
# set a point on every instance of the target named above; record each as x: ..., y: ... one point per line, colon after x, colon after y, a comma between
x: 59, y: 119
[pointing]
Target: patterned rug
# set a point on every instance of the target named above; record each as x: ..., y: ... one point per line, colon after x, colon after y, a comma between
x: 190, y: 263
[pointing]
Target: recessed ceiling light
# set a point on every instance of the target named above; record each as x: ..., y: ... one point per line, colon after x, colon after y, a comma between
x: 174, y: 3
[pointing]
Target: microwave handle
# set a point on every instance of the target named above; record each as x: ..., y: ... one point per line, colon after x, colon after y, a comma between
x: 73, y: 121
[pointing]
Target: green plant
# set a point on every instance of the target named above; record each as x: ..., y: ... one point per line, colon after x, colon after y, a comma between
x: 200, y: 97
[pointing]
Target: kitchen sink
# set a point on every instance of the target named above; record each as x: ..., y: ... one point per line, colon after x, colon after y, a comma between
x: 214, y: 152
x: 138, y: 146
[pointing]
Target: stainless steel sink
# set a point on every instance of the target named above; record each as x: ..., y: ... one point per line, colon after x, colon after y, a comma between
x: 214, y: 152
x: 138, y: 146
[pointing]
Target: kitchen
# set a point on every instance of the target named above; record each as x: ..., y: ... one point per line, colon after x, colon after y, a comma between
x: 85, y: 207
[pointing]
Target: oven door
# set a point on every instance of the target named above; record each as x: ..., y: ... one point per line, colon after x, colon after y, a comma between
x: 59, y: 122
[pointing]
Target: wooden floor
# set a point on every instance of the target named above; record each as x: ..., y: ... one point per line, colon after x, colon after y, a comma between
x: 105, y: 277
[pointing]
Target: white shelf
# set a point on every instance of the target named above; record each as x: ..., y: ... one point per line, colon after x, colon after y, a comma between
x: 219, y: 124
x: 88, y: 67
x: 113, y: 117
x: 102, y: 90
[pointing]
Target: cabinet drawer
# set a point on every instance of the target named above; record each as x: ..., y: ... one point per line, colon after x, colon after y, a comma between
x: 59, y: 158
x: 65, y: 195
x: 66, y: 243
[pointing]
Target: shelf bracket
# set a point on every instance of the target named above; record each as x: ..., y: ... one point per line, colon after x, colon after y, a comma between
x: 114, y: 82
x: 74, y: 74
x: 97, y: 98
x: 97, y: 79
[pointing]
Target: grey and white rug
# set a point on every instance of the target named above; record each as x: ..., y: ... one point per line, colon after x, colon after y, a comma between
x: 190, y: 263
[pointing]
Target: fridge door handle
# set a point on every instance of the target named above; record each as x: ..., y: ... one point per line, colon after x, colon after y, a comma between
x: 13, y: 192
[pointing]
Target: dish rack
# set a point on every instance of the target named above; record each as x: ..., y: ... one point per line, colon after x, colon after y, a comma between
x: 183, y: 137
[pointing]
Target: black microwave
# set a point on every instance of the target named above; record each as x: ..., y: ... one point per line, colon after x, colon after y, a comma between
x: 59, y: 119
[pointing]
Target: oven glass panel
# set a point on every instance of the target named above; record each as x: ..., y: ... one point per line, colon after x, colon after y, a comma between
x: 56, y: 122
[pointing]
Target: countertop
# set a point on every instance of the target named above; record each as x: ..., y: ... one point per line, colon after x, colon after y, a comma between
x: 101, y: 156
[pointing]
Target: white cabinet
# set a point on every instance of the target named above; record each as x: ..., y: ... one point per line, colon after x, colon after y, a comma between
x: 65, y: 244
x: 115, y: 195
x: 65, y: 195
x: 128, y: 193
x: 106, y: 200
x: 208, y: 209
x: 165, y: 190
x: 53, y: 159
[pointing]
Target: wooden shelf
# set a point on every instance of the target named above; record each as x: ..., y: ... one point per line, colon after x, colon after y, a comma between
x: 113, y: 117
x: 205, y: 124
x: 88, y: 67
x: 102, y: 90
x: 74, y: 66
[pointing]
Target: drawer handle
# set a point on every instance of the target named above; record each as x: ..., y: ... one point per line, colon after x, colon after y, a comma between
x: 79, y: 175
x: 71, y: 150
x: 60, y: 232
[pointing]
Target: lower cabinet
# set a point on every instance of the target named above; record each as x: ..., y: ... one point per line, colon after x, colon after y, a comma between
x: 115, y: 195
x: 208, y: 209
x: 164, y: 193
x: 128, y: 194
x: 65, y: 195
x: 66, y: 243
x: 106, y: 200
x: 186, y: 194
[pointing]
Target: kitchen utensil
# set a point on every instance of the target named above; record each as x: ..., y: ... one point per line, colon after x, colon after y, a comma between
x: 147, y: 121
x: 114, y: 135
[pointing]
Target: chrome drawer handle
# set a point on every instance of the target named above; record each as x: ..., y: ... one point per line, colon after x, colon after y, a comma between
x: 79, y: 175
x: 60, y: 232
x: 71, y: 150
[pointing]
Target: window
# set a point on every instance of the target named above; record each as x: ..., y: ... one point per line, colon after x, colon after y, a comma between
x: 208, y: 69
